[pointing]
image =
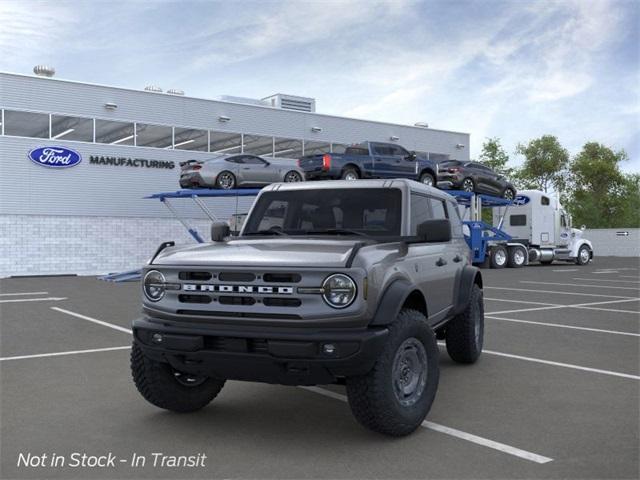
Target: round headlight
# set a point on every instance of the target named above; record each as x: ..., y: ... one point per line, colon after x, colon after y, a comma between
x: 153, y: 285
x: 339, y: 290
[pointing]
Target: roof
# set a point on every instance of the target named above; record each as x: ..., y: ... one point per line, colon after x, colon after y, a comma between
x: 178, y: 97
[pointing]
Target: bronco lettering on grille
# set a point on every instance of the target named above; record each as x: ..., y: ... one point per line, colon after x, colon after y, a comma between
x: 259, y: 289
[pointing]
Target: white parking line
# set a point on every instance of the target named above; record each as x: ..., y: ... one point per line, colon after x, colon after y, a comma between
x: 48, y: 299
x: 469, y: 437
x: 604, y: 280
x: 564, y: 365
x: 93, y: 320
x: 628, y: 276
x: 59, y: 354
x: 533, y: 290
x: 582, y: 285
x: 567, y: 270
x: 23, y: 293
x: 572, y: 327
x: 587, y: 306
x: 522, y: 301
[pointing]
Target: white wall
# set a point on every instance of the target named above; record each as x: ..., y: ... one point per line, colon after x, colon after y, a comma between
x: 50, y: 245
x: 607, y: 242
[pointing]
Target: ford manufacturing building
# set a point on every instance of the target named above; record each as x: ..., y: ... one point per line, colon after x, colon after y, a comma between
x: 92, y: 218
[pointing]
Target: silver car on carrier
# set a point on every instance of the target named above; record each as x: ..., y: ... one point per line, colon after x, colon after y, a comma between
x: 238, y: 170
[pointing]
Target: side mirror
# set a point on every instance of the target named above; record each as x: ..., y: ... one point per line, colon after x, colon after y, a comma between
x: 435, y: 231
x: 412, y: 156
x: 220, y: 231
x: 583, y: 228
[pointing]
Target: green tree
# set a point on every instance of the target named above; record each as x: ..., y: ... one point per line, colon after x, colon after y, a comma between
x: 494, y: 156
x: 600, y: 195
x: 545, y: 164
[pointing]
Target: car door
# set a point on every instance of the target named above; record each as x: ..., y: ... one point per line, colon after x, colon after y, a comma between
x: 434, y: 262
x: 493, y: 180
x: 482, y: 178
x: 256, y: 170
x: 405, y: 164
x: 384, y: 160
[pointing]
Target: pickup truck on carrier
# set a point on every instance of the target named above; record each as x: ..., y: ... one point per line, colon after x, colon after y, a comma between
x: 370, y: 160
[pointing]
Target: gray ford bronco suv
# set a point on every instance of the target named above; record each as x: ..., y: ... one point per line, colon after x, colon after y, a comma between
x: 346, y: 282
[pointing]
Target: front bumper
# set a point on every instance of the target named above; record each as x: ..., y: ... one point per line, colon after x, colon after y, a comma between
x: 288, y: 357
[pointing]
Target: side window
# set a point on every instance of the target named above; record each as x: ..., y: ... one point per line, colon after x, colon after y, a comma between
x: 456, y: 222
x: 234, y: 160
x: 518, y: 220
x: 399, y: 151
x: 420, y: 211
x: 544, y: 201
x: 249, y: 159
x: 438, y: 209
x: 382, y: 150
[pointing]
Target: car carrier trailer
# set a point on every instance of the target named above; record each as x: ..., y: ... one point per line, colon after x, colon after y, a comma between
x: 532, y: 228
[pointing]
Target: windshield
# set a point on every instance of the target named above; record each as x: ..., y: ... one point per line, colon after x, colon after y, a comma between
x: 353, y: 211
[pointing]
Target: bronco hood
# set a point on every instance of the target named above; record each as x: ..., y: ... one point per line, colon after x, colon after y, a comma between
x: 271, y: 252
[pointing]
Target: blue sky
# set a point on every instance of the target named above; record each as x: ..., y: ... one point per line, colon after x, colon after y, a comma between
x: 514, y: 69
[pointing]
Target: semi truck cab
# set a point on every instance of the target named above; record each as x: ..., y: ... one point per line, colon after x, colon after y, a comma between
x: 538, y: 221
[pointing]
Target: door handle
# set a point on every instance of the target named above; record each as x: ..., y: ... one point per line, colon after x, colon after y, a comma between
x: 457, y: 259
x: 441, y: 262
x: 246, y: 168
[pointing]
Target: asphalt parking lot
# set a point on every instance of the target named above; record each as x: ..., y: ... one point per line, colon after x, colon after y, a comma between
x: 554, y: 395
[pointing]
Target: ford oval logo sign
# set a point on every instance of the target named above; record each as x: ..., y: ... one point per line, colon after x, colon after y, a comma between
x: 55, y: 157
x: 521, y: 200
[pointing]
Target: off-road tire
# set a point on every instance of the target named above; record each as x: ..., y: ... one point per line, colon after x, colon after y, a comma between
x: 464, y: 335
x: 156, y: 382
x: 349, y: 173
x: 580, y: 260
x: 426, y: 176
x: 372, y: 398
x: 513, y: 260
x: 498, y: 254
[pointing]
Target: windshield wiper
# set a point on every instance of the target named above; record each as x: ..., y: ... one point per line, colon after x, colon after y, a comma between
x: 336, y: 231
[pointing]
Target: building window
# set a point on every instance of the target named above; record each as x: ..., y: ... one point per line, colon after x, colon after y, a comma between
x: 225, y: 142
x: 114, y: 133
x: 258, y: 145
x: 437, y: 157
x: 157, y: 136
x: 287, y: 148
x: 190, y: 139
x: 26, y: 124
x: 71, y: 128
x: 315, y: 148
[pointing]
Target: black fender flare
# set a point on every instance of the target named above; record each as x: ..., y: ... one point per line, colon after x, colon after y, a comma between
x: 391, y: 302
x: 428, y: 170
x: 468, y: 277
